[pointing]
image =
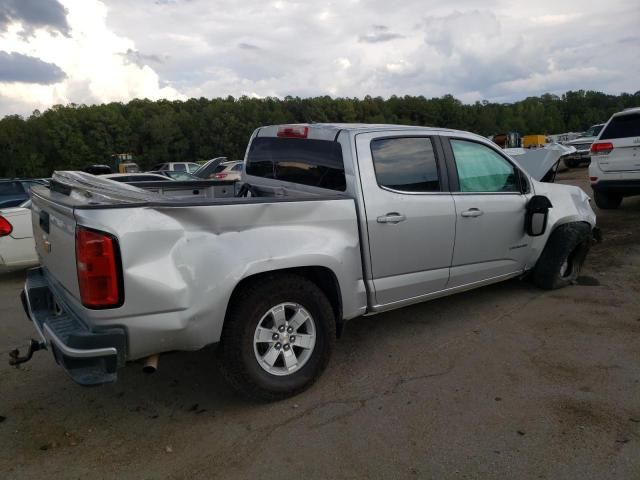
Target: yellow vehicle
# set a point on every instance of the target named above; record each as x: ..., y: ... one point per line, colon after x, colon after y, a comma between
x: 128, y: 167
x: 533, y: 141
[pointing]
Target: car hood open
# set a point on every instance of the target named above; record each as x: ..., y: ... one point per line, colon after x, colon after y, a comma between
x: 537, y: 162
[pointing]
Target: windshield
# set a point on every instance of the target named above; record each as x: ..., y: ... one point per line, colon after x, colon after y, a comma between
x: 593, y: 131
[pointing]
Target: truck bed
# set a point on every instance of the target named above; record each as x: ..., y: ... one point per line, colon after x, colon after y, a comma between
x: 182, y: 253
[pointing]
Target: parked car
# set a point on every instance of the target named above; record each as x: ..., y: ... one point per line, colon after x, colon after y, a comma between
x: 582, y: 145
x: 615, y: 160
x: 17, y: 191
x: 134, y: 274
x: 136, y: 177
x: 231, y: 171
x: 17, y: 248
x: 189, y: 167
x: 207, y: 170
x: 175, y: 175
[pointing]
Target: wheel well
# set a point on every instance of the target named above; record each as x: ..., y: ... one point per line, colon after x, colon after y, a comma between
x: 323, y: 277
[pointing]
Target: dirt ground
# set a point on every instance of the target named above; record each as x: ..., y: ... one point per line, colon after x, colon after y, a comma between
x: 507, y: 381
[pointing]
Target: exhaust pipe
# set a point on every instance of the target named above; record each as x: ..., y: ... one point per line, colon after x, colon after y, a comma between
x: 151, y: 363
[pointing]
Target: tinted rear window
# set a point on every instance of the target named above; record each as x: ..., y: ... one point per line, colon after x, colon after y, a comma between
x: 317, y: 163
x: 624, y: 126
x: 406, y: 164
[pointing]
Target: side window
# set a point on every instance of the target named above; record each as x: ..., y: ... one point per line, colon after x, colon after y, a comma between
x: 406, y: 164
x: 480, y: 169
x: 179, y: 167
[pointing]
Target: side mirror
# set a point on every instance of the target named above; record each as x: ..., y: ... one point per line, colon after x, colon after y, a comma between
x: 536, y: 217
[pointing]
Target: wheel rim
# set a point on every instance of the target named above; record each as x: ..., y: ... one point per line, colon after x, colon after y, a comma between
x: 284, y: 339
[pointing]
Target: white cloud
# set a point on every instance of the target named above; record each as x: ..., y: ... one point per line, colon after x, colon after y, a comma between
x: 92, y: 57
x: 495, y: 50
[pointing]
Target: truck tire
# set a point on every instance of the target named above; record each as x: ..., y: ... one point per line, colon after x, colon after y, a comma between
x: 607, y: 201
x: 563, y: 256
x: 278, y: 336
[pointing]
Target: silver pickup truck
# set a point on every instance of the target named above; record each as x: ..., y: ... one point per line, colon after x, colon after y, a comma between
x: 332, y: 221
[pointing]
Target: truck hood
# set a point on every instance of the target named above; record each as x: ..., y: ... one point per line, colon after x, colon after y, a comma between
x: 537, y: 162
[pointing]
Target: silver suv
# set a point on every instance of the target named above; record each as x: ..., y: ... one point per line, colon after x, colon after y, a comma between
x: 615, y: 159
x: 582, y: 145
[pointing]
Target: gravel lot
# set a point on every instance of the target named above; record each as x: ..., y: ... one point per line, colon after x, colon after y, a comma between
x: 503, y: 382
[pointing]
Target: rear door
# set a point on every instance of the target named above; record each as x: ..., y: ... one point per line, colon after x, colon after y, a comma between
x: 623, y: 132
x: 490, y: 238
x: 410, y: 214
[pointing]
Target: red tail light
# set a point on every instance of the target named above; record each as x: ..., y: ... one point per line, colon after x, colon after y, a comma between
x: 293, y: 131
x: 5, y: 227
x: 220, y: 175
x: 601, y: 148
x: 98, y: 264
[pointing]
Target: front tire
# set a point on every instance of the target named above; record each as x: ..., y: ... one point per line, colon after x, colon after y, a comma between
x: 563, y: 256
x: 607, y: 201
x: 278, y: 337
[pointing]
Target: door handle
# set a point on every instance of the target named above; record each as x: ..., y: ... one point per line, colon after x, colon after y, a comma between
x: 393, y: 217
x: 472, y: 212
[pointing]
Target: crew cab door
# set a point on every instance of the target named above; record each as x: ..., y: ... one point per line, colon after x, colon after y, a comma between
x: 490, y: 213
x: 410, y: 214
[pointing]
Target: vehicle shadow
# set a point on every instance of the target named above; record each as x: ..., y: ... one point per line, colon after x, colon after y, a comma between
x: 192, y: 383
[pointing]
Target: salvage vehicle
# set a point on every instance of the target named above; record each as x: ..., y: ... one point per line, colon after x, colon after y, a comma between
x: 17, y: 248
x: 615, y: 160
x: 334, y: 221
x: 582, y: 145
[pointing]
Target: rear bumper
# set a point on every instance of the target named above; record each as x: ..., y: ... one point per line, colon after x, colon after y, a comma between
x: 89, y: 357
x: 626, y: 188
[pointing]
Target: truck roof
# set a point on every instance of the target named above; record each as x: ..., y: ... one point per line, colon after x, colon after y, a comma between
x: 328, y: 131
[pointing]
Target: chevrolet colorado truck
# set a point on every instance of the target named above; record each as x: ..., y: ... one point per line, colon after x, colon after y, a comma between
x: 332, y: 221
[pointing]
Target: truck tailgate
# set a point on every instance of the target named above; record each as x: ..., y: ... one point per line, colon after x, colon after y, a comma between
x: 54, y: 228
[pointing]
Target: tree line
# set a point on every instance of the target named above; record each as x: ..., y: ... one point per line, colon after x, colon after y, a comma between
x: 74, y: 136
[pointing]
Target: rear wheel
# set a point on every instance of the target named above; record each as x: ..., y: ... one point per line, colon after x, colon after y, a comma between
x: 563, y: 256
x: 607, y: 201
x: 278, y: 337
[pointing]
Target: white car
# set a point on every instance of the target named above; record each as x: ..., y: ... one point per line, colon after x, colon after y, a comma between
x: 189, y: 167
x: 17, y: 248
x: 231, y: 171
x: 615, y: 160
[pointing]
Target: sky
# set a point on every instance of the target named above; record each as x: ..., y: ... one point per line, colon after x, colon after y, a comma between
x: 91, y: 51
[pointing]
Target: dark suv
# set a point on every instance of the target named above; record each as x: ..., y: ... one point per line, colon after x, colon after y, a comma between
x: 14, y: 192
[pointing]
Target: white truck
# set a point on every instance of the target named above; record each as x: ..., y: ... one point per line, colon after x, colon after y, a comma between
x: 334, y: 221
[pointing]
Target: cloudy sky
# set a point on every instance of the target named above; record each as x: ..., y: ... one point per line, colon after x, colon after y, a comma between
x: 92, y: 51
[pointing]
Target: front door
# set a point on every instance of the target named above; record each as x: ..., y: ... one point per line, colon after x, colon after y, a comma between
x: 490, y: 213
x: 410, y: 214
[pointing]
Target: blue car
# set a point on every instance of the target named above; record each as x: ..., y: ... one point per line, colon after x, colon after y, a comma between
x: 15, y: 192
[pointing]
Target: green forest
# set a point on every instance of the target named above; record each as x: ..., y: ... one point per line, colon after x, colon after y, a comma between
x: 74, y: 136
